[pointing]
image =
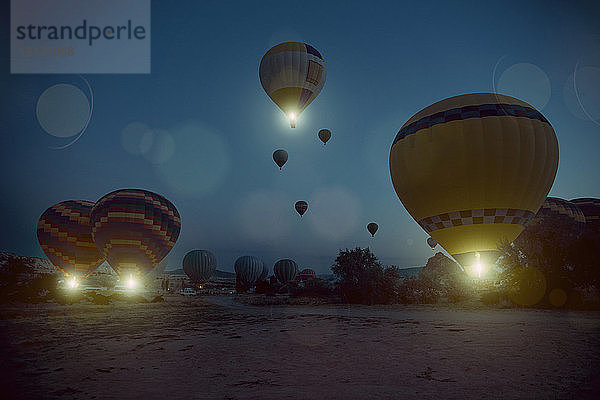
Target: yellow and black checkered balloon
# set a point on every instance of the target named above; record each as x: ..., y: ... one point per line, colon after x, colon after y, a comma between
x: 473, y: 169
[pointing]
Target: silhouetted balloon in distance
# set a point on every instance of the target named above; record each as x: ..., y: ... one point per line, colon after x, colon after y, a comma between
x: 431, y: 242
x: 301, y: 207
x: 285, y: 270
x: 199, y: 265
x: 248, y: 269
x: 280, y: 157
x: 372, y: 228
x: 324, y: 135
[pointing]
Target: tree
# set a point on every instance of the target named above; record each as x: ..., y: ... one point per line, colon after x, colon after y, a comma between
x: 362, y: 278
x: 566, y: 258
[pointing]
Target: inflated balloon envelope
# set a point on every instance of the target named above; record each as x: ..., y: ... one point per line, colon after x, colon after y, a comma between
x: 65, y: 236
x: 472, y: 170
x: 292, y: 74
x: 134, y: 229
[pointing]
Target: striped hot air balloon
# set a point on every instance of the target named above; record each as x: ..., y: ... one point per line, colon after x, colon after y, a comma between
x: 567, y: 214
x: 285, y: 270
x: 65, y: 235
x: 134, y: 229
x: 248, y: 269
x: 431, y: 242
x: 306, y: 273
x: 292, y: 74
x: 301, y: 206
x: 472, y: 170
x: 199, y: 265
x: 265, y: 272
x: 591, y: 210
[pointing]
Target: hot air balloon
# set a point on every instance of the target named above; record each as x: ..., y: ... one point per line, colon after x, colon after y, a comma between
x: 265, y: 273
x: 305, y: 274
x: 65, y: 235
x: 248, y: 269
x: 285, y: 270
x: 493, y: 159
x: 560, y: 214
x: 199, y: 265
x: 301, y: 207
x: 372, y: 228
x: 324, y: 135
x: 431, y: 242
x: 292, y: 74
x: 134, y: 229
x: 591, y: 210
x: 280, y: 157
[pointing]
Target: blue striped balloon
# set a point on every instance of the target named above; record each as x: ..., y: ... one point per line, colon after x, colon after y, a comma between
x: 285, y: 270
x: 199, y: 265
x: 248, y: 269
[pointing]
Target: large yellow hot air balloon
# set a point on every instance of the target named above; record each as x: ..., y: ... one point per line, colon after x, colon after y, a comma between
x: 292, y: 74
x: 472, y: 170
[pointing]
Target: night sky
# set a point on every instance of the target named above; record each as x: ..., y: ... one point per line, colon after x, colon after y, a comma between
x: 213, y: 129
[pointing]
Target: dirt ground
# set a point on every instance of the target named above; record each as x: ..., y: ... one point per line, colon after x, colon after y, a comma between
x: 215, y: 348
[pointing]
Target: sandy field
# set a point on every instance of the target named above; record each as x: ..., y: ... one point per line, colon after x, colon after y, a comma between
x: 215, y: 348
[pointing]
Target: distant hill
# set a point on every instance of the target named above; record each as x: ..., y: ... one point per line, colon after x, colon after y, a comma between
x: 407, y: 272
x: 26, y: 265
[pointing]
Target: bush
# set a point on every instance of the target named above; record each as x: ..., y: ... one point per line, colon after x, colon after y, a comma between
x: 418, y: 290
x: 493, y: 297
x: 312, y: 287
x: 35, y: 289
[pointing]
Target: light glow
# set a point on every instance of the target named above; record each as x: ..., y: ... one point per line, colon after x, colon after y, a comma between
x: 478, y: 269
x: 292, y: 118
x: 72, y: 283
x: 131, y: 283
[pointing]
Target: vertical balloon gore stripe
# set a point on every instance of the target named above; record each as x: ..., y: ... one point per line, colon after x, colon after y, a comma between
x: 304, y: 97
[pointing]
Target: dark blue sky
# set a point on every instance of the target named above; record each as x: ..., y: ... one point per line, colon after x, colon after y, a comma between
x: 215, y: 129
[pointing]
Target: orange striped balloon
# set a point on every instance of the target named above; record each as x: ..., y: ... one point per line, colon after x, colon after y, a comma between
x: 134, y: 229
x: 65, y: 236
